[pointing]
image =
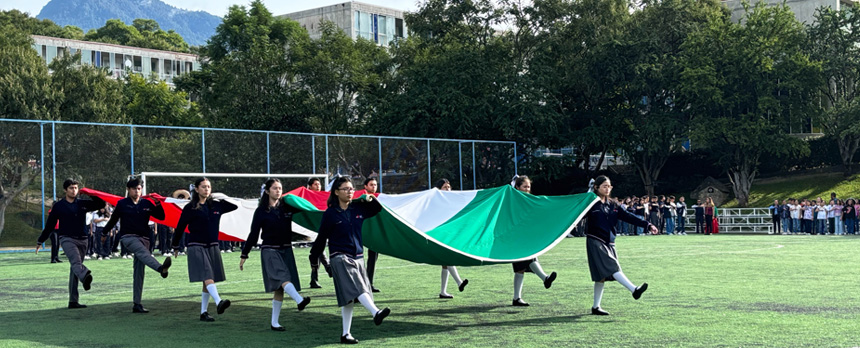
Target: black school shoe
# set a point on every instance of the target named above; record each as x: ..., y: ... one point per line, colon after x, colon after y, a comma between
x: 445, y: 296
x: 348, y: 340
x: 138, y: 308
x: 598, y: 311
x: 165, y: 266
x: 639, y: 290
x: 74, y: 305
x: 304, y: 303
x: 206, y: 317
x: 56, y: 261
x: 377, y: 319
x: 547, y: 283
x: 315, y: 285
x: 88, y: 281
x: 520, y: 303
x: 278, y: 328
x: 374, y: 289
x: 463, y: 285
x: 223, y: 305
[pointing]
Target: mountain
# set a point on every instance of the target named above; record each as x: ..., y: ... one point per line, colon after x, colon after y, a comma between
x: 195, y: 26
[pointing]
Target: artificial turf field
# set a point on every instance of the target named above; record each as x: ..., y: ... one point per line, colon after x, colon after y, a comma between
x: 711, y: 291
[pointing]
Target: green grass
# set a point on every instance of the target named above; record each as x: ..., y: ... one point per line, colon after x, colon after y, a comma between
x: 705, y: 291
x: 19, y: 228
x: 807, y: 186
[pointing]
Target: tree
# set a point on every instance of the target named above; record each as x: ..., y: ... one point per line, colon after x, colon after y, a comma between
x: 744, y: 83
x: 248, y: 78
x: 33, y: 26
x: 334, y: 72
x: 152, y: 102
x: 144, y: 33
x: 25, y: 93
x: 834, y: 40
x: 87, y: 93
x: 658, y: 117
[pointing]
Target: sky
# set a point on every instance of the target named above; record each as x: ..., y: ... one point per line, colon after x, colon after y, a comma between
x: 219, y: 7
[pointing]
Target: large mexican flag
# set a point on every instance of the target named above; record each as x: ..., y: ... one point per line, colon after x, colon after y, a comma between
x: 463, y: 228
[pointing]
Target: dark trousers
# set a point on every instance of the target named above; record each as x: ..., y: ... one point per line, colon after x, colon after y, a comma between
x: 709, y: 224
x: 75, y: 249
x: 164, y: 240
x: 102, y: 241
x: 831, y: 224
x: 682, y: 224
x: 90, y: 242
x: 700, y: 224
x: 777, y: 223
x: 315, y: 276
x: 55, y: 246
x: 372, y: 256
x: 140, y: 247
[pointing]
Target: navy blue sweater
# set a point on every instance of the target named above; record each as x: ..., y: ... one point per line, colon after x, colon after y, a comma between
x: 134, y: 218
x: 277, y: 226
x: 72, y: 217
x: 342, y: 229
x: 202, y: 222
x: 603, y: 221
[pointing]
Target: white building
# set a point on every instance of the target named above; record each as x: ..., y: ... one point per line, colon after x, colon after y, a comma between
x: 165, y: 65
x: 376, y: 23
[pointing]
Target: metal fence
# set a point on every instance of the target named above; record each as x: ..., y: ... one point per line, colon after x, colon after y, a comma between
x: 102, y: 156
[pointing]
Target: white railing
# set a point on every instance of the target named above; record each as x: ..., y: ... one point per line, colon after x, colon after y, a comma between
x: 737, y: 220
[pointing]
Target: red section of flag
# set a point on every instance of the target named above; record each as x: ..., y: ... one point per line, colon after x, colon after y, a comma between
x: 317, y: 198
x: 171, y: 211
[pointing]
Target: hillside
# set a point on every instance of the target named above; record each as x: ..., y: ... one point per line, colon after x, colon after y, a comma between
x: 801, y: 186
x: 194, y: 26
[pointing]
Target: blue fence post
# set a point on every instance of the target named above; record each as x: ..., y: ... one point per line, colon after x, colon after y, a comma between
x: 379, y: 177
x: 474, y: 170
x: 54, y: 157
x: 327, y: 171
x: 429, y: 172
x: 515, y: 160
x: 131, y: 131
x: 268, y: 159
x: 460, y: 159
x: 313, y: 154
x: 203, y: 143
x: 42, y: 166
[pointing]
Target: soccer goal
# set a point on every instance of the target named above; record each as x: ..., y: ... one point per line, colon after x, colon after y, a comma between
x: 144, y: 175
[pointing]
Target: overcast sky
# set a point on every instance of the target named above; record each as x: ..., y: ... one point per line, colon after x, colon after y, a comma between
x: 219, y: 7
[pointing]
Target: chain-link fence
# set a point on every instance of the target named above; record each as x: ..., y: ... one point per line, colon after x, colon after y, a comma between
x: 37, y: 156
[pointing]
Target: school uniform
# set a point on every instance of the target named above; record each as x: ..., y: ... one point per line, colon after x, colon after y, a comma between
x: 681, y: 214
x: 204, y: 256
x: 700, y: 218
x: 709, y: 219
x: 276, y: 250
x: 600, y: 242
x: 135, y: 235
x: 341, y: 230
x: 72, y: 233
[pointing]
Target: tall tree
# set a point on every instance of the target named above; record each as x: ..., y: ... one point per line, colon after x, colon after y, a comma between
x: 153, y: 102
x: 834, y: 40
x: 658, y: 117
x: 25, y: 93
x: 248, y: 78
x: 33, y: 26
x: 744, y: 83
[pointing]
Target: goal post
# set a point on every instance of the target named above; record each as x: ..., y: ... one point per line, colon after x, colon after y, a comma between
x: 144, y: 175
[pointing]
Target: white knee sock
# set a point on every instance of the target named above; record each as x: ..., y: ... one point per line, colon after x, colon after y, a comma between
x: 213, y: 291
x: 204, y: 302
x: 535, y: 267
x: 367, y: 302
x: 276, y: 312
x: 598, y: 293
x: 619, y: 276
x: 444, y: 290
x: 518, y: 285
x: 290, y: 289
x: 455, y: 275
x: 346, y: 315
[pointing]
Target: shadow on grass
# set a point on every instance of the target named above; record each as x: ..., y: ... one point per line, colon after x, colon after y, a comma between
x: 113, y: 324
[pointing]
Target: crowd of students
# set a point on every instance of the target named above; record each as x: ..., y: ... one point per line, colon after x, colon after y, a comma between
x: 815, y: 216
x: 668, y: 215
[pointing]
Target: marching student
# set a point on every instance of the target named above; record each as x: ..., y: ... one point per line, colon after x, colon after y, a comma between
x: 341, y: 230
x: 524, y: 184
x: 202, y: 216
x: 275, y: 218
x: 600, y: 244
x: 314, y: 184
x: 133, y: 214
x: 371, y: 185
x: 71, y: 213
x: 445, y: 185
